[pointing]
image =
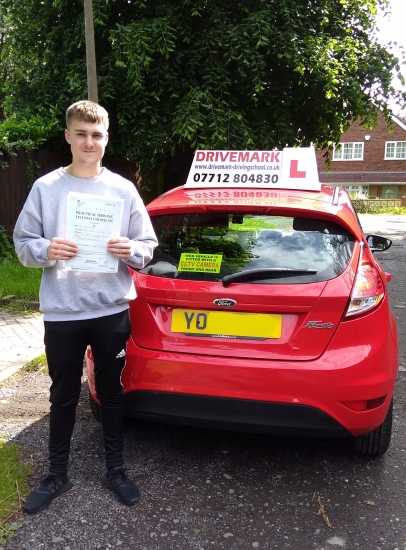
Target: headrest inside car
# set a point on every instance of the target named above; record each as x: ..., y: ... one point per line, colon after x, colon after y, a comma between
x: 306, y: 224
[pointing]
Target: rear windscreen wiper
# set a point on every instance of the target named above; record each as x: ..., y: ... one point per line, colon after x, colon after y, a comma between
x: 267, y: 273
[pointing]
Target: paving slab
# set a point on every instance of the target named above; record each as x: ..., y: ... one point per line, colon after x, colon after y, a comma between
x: 21, y: 340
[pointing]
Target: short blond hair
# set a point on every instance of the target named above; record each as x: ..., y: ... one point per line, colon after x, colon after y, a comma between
x: 87, y: 111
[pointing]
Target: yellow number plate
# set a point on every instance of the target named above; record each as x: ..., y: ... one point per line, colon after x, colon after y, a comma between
x: 226, y: 323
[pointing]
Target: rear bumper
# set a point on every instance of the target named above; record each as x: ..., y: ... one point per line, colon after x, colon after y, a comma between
x: 281, y: 397
x: 232, y: 414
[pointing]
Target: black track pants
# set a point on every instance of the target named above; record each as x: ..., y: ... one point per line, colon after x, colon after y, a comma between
x: 65, y: 346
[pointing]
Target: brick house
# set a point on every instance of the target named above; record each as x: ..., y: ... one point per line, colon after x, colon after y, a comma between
x: 369, y: 162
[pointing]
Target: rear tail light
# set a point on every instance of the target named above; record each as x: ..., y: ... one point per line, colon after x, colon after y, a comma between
x: 369, y: 288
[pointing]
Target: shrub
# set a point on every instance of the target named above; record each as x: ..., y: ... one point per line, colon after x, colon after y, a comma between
x: 7, y: 251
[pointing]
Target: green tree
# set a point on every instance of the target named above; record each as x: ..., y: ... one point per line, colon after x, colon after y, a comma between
x: 179, y: 74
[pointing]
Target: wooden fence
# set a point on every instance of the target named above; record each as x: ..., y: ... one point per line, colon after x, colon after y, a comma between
x: 23, y: 169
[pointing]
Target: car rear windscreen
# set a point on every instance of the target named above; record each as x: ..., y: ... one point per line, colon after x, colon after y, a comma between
x: 210, y: 246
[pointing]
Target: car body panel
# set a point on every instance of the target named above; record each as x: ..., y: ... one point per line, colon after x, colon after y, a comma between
x: 321, y: 360
x: 298, y: 310
x: 345, y: 372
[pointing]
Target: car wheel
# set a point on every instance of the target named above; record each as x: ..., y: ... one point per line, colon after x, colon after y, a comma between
x: 376, y: 442
x: 95, y: 408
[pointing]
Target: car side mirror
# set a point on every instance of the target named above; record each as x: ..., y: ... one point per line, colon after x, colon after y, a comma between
x: 377, y: 243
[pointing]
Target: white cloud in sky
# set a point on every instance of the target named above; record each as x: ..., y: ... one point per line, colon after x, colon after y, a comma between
x: 392, y: 29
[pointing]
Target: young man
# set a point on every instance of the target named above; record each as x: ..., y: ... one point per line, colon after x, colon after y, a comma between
x: 84, y: 306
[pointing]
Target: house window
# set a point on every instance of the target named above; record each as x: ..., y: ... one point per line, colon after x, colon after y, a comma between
x: 349, y: 151
x: 395, y: 150
x: 357, y: 191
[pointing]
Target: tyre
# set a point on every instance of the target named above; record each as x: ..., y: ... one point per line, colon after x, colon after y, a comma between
x: 95, y: 408
x: 377, y: 442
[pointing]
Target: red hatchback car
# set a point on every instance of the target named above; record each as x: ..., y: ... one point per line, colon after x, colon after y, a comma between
x: 263, y: 309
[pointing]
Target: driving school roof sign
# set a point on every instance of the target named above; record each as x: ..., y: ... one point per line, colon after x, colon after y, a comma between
x: 292, y: 168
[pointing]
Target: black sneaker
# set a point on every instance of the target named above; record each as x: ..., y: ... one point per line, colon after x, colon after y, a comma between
x: 53, y: 486
x: 125, y: 489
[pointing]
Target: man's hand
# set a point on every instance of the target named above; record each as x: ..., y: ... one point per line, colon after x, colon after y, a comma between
x: 120, y: 247
x: 61, y: 249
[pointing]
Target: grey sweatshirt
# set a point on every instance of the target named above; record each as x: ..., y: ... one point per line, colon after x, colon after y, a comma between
x: 65, y: 294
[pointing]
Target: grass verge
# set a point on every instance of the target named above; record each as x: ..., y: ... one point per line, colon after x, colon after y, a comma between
x: 19, y: 286
x: 37, y: 364
x: 14, y: 470
x: 13, y: 484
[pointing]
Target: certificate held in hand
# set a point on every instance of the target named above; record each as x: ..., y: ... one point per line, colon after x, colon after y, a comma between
x: 91, y: 222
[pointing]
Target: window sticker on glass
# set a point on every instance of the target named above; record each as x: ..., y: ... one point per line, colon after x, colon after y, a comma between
x: 202, y: 263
